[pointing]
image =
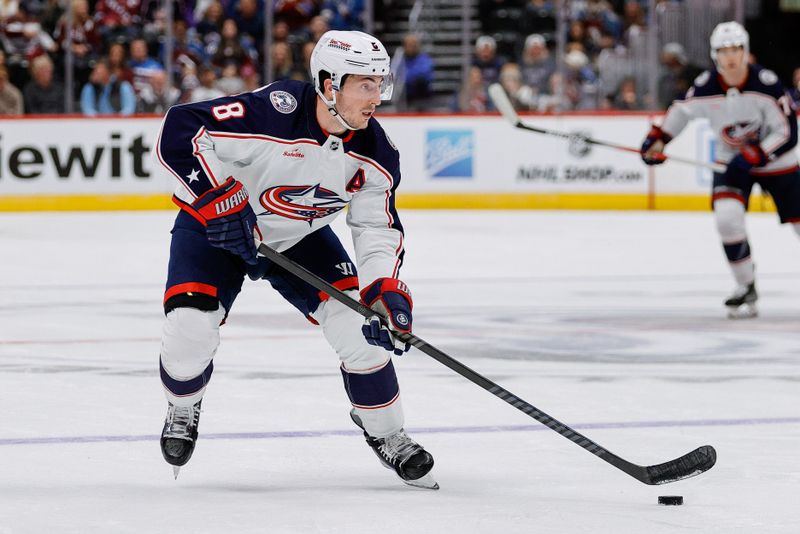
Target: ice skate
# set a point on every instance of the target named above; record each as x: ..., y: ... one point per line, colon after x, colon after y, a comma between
x: 179, y: 435
x: 404, y: 456
x: 742, y: 304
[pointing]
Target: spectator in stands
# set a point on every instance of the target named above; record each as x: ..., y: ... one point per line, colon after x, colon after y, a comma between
x: 521, y: 95
x: 157, y: 97
x: 229, y: 81
x: 43, y: 94
x: 153, y: 16
x: 231, y: 48
x: 105, y: 95
x: 587, y: 41
x: 600, y: 17
x: 537, y: 64
x: 282, y: 61
x: 296, y: 13
x: 538, y: 16
x: 794, y: 92
x: 473, y: 96
x: 344, y: 14
x: 633, y: 21
x: 118, y: 63
x: 302, y: 68
x: 487, y: 60
x: 186, y: 47
x: 317, y: 27
x: 627, y: 96
x: 580, y: 81
x: 249, y: 19
x: 8, y: 8
x: 23, y: 38
x: 188, y: 81
x: 416, y: 68
x: 228, y: 8
x: 250, y: 78
x: 142, y: 65
x: 10, y: 96
x: 49, y: 12
x: 85, y: 39
x: 210, y: 26
x: 281, y: 34
x: 207, y: 88
x: 677, y: 76
x: 556, y: 98
x: 117, y: 20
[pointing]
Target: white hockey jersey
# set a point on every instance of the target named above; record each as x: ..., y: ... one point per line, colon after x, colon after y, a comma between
x: 298, y: 176
x: 760, y: 111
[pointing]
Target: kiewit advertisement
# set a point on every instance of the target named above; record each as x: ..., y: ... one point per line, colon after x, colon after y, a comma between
x: 446, y: 161
x: 69, y: 156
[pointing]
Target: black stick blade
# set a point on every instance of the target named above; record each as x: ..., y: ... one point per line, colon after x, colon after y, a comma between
x: 698, y: 461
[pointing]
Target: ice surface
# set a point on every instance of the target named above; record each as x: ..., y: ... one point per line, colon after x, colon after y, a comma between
x: 610, y: 322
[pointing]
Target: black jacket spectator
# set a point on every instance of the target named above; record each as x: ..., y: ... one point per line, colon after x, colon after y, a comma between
x: 43, y: 95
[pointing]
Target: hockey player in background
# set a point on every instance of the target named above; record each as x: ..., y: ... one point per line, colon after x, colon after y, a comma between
x: 755, y: 122
x: 277, y: 165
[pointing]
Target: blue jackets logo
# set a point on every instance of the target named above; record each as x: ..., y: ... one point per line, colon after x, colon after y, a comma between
x: 449, y: 153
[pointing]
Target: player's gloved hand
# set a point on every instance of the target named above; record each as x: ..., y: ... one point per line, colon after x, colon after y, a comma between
x: 229, y: 219
x: 749, y: 156
x: 653, y: 146
x: 391, y: 299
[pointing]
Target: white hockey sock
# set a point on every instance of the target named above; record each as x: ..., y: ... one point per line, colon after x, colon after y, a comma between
x: 729, y: 215
x: 188, y: 344
x: 383, y: 415
x: 743, y: 272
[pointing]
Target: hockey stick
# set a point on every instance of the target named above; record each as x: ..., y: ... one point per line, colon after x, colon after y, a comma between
x: 698, y: 461
x: 500, y: 99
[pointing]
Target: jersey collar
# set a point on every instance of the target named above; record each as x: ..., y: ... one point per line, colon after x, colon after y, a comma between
x: 318, y: 132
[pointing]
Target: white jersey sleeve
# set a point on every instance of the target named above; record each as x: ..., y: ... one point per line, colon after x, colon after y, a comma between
x: 373, y: 220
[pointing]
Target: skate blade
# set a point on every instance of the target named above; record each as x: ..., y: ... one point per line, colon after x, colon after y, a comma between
x: 745, y: 311
x: 426, y: 482
x: 176, y: 470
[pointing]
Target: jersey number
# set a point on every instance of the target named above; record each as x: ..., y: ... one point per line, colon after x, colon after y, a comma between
x: 356, y: 182
x: 234, y: 110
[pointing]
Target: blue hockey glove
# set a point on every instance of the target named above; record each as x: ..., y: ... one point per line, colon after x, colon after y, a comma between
x: 749, y: 156
x: 229, y: 220
x: 653, y: 146
x: 391, y: 299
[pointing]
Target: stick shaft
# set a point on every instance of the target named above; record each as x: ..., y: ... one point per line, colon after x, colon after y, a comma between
x: 636, y: 471
x: 500, y: 99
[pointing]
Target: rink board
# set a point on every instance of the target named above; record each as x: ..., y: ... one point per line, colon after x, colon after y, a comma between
x: 466, y: 162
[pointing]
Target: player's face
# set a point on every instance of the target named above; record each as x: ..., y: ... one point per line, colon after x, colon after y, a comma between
x: 357, y: 99
x: 731, y: 59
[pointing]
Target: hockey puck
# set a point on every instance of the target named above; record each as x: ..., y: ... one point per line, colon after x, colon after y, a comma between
x: 670, y: 500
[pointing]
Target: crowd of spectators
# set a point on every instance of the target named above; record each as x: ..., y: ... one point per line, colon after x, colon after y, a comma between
x: 603, y: 66
x: 119, y: 66
x: 118, y: 50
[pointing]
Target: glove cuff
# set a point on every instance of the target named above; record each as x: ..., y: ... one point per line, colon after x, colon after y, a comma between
x: 374, y: 291
x: 229, y: 198
x: 657, y: 134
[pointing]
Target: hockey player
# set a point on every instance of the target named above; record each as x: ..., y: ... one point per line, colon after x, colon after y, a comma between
x: 755, y: 122
x: 277, y: 165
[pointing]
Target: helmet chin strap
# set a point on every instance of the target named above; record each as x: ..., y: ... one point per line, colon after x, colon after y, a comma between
x: 333, y: 111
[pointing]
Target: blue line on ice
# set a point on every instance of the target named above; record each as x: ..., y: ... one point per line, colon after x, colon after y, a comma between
x: 430, y: 430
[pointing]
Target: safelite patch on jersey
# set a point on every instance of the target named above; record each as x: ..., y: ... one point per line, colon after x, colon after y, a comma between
x: 283, y: 101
